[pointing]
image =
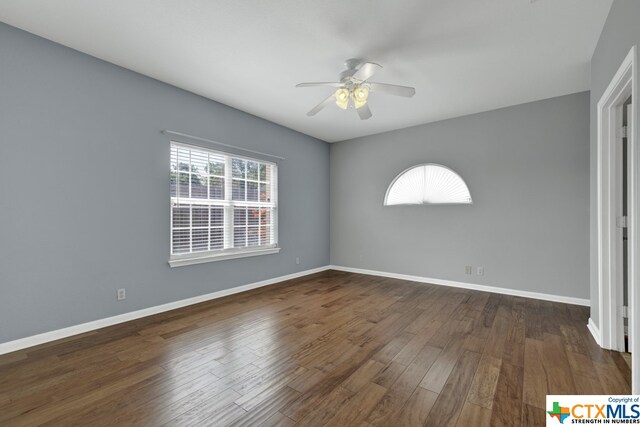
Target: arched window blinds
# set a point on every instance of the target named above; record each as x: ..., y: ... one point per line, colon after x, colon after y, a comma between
x: 427, y: 184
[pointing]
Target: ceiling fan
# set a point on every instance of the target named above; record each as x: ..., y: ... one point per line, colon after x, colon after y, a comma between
x: 354, y: 86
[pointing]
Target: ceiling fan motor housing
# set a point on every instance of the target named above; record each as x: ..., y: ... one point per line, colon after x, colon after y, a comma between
x: 352, y: 65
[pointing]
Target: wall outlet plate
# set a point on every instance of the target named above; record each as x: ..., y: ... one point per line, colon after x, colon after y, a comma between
x: 480, y: 271
x: 468, y: 269
x: 122, y: 294
x: 297, y: 260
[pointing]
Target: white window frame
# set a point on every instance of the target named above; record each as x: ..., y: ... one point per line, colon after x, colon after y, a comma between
x: 177, y: 260
x: 416, y: 196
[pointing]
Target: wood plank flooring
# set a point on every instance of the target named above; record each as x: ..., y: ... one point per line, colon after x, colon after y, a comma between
x: 333, y: 348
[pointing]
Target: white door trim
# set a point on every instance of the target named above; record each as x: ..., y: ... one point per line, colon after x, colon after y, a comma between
x: 609, y: 110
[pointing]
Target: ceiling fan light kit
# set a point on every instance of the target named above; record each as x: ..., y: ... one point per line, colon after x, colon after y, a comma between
x: 360, y: 95
x: 354, y: 85
x: 342, y: 98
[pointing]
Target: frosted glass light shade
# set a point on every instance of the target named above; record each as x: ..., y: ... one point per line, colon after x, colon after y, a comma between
x: 342, y: 98
x: 427, y: 184
x: 360, y: 96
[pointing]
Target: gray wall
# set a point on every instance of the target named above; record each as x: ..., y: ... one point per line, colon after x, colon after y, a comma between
x: 84, y: 196
x: 621, y: 32
x: 527, y: 167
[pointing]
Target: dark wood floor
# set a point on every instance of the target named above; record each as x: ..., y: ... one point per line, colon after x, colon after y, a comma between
x: 334, y: 348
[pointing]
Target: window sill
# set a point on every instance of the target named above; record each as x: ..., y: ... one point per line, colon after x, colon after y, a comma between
x: 179, y: 262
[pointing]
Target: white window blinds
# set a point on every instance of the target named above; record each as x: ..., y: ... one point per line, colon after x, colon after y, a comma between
x: 220, y: 203
x: 427, y: 184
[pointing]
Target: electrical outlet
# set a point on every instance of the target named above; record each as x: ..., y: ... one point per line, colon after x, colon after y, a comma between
x: 468, y: 269
x: 122, y: 294
x: 297, y: 260
x: 480, y: 271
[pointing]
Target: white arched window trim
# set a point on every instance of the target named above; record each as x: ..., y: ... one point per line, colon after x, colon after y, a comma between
x: 427, y: 184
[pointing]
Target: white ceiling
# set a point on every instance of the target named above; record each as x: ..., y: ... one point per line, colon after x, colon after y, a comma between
x: 462, y: 56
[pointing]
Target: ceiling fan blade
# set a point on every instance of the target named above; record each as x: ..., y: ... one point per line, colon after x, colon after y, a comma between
x: 405, y: 91
x: 312, y: 84
x: 320, y: 106
x: 364, y: 112
x: 366, y: 71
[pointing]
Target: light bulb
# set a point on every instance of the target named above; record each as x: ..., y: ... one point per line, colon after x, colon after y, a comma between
x: 360, y: 95
x: 342, y: 98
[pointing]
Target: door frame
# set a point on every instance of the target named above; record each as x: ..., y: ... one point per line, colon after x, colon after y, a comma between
x: 609, y: 110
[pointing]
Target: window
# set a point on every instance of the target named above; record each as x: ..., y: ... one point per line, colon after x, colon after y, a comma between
x: 222, y: 206
x: 426, y: 185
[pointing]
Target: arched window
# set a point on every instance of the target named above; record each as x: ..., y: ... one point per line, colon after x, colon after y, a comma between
x: 427, y: 184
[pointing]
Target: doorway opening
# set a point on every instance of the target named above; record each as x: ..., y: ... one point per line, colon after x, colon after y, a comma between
x: 618, y: 209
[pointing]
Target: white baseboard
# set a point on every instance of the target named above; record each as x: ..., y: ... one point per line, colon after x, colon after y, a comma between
x: 34, y: 340
x: 505, y: 291
x: 595, y: 331
x: 19, y: 344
